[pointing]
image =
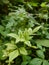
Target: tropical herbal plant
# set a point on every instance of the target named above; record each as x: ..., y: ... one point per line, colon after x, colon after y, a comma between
x: 24, y: 32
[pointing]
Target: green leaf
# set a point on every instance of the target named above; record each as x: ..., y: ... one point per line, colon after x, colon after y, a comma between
x: 40, y: 54
x: 1, y: 54
x: 1, y: 28
x: 35, y: 61
x: 43, y: 4
x: 36, y: 29
x: 12, y: 35
x: 23, y: 51
x: 5, y: 1
x: 10, y: 23
x: 13, y: 55
x: 39, y: 46
x: 30, y: 31
x: 45, y: 62
x: 10, y: 46
x: 26, y: 58
x: 33, y: 4
x: 43, y: 42
x: 24, y: 63
x: 28, y: 43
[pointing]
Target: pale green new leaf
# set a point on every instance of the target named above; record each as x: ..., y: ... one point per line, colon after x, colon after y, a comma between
x: 36, y: 29
x: 23, y: 51
x: 10, y: 46
x: 13, y: 55
x: 28, y: 43
x: 12, y: 35
x: 30, y: 31
x: 43, y: 4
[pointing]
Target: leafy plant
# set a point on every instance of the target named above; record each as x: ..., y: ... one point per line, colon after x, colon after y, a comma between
x: 24, y: 32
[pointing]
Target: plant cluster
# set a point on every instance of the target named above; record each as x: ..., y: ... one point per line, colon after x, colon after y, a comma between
x: 24, y: 32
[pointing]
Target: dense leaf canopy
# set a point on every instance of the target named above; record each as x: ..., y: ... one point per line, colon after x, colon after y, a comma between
x: 24, y: 32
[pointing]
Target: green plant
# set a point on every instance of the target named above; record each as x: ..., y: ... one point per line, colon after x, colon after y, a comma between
x: 24, y: 32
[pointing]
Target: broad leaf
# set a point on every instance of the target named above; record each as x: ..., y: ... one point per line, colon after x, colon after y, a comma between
x: 40, y: 54
x: 36, y: 61
x: 10, y: 46
x: 43, y: 42
x: 26, y: 58
x: 23, y: 51
x: 13, y: 55
x: 45, y: 62
x: 12, y: 35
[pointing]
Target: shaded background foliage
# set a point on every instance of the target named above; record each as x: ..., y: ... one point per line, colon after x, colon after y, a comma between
x: 24, y: 32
